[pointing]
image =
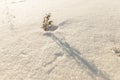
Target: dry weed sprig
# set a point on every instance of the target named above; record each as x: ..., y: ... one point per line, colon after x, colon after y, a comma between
x: 47, y: 23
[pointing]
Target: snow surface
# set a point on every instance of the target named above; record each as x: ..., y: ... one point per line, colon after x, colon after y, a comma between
x: 82, y: 46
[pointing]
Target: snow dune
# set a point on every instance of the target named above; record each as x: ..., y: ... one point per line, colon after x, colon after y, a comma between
x: 82, y: 45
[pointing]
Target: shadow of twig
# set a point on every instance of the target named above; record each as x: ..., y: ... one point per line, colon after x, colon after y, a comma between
x: 92, y: 70
x: 52, y: 28
x: 55, y: 58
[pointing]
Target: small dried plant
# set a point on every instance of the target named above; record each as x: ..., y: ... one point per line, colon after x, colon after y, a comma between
x: 47, y: 23
x: 116, y: 51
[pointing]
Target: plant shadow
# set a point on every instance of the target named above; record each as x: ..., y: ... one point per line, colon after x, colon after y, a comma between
x: 90, y: 68
x: 52, y: 28
x: 57, y: 55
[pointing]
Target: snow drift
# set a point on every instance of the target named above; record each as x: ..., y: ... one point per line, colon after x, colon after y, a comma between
x: 82, y: 45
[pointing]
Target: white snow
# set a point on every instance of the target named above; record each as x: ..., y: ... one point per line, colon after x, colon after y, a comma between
x: 82, y: 47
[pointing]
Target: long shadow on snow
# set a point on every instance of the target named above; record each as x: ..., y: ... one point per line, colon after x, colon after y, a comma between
x: 92, y: 70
